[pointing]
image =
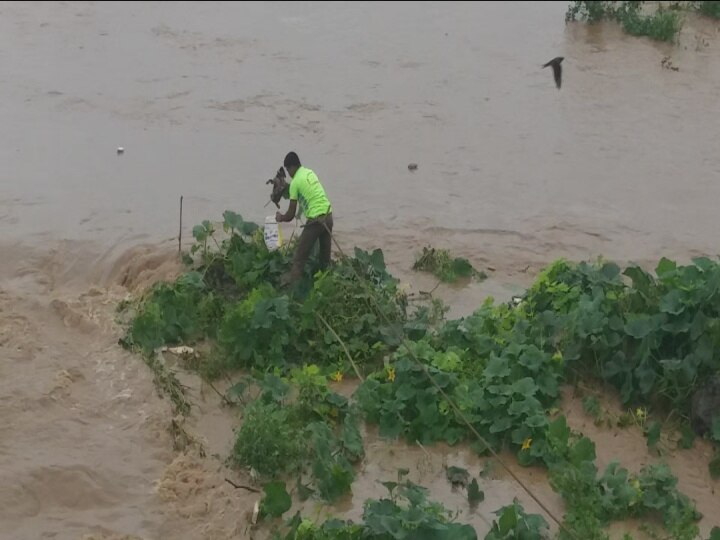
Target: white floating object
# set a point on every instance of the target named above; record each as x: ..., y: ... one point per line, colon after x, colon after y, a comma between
x: 120, y: 150
x: 176, y: 350
x: 181, y: 350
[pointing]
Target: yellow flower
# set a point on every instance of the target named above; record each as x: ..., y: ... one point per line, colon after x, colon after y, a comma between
x: 391, y: 374
x: 337, y: 376
x: 557, y: 357
x: 641, y: 413
x: 526, y: 443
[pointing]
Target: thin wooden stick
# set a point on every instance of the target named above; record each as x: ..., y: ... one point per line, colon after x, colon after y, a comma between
x: 240, y: 486
x: 222, y: 396
x: 180, y: 234
x: 342, y: 343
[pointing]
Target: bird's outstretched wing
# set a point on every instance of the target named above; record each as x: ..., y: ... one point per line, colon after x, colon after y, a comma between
x: 557, y: 69
x: 557, y: 73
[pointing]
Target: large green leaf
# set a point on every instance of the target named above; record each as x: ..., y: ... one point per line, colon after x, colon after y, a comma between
x: 526, y: 407
x: 405, y: 392
x: 646, y: 375
x: 462, y: 267
x: 191, y: 279
x: 672, y: 302
x: 704, y: 264
x: 715, y: 428
x: 351, y: 438
x: 536, y: 421
x: 582, y: 451
x: 457, y: 531
x: 640, y: 326
x: 665, y: 268
x: 500, y: 425
x: 524, y: 387
x: 508, y: 520
x: 653, y: 431
x: 200, y: 233
x: 276, y: 500
x: 533, y: 358
x: 642, y: 281
x: 714, y: 466
x: 232, y: 221
x: 687, y: 437
x: 548, y: 385
x: 497, y: 368
x: 559, y: 431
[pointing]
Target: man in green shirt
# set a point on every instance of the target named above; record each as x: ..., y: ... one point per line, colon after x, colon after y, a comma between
x: 306, y: 188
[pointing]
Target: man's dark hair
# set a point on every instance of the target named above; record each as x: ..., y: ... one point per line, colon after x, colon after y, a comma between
x: 292, y: 160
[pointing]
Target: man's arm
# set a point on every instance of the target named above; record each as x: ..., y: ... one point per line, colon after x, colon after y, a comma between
x: 290, y: 215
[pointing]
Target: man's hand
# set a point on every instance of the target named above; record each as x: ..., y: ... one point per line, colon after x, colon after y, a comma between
x: 292, y: 208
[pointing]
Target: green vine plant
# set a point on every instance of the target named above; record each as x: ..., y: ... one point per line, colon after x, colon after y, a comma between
x: 496, y: 374
x: 446, y: 268
x: 661, y: 21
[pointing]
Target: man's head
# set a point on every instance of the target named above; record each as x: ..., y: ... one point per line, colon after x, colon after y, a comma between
x: 292, y: 163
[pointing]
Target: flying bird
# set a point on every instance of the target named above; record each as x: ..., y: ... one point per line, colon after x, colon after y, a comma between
x: 557, y: 69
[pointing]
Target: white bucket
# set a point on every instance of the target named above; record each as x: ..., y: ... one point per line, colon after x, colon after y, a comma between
x: 273, y: 234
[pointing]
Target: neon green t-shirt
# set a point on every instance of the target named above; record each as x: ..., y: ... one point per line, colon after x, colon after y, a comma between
x: 307, y: 189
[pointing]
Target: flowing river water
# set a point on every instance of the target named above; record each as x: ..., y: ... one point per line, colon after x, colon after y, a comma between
x: 206, y: 99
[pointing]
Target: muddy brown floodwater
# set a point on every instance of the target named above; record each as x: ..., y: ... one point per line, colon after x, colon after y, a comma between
x: 206, y: 98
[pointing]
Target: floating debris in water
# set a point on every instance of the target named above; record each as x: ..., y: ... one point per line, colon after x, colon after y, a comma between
x: 120, y: 150
x: 412, y: 167
x: 178, y: 350
x: 667, y: 64
x: 457, y: 476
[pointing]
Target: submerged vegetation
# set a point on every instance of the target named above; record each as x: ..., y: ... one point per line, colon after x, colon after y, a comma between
x: 491, y: 379
x: 660, y: 21
x: 446, y: 268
